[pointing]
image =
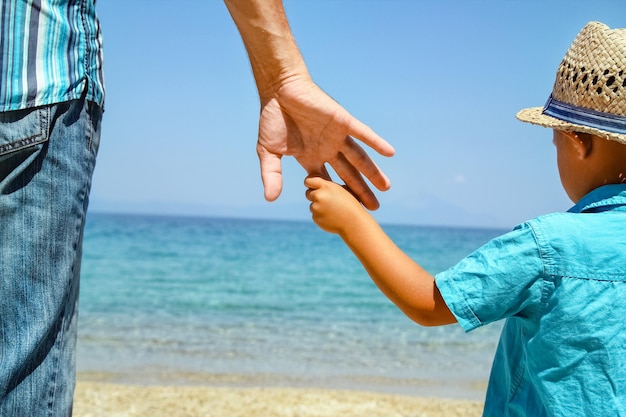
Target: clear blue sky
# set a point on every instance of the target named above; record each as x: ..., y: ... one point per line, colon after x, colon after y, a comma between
x: 440, y: 80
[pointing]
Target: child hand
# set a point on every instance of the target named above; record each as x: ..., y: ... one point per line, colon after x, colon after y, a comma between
x: 334, y: 209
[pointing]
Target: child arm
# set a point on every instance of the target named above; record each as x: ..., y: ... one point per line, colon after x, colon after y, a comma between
x: 402, y: 280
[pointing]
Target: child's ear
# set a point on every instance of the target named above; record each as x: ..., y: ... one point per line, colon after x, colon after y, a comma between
x: 582, y: 143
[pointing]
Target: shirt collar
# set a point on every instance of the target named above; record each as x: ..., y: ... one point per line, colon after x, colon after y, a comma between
x: 608, y: 197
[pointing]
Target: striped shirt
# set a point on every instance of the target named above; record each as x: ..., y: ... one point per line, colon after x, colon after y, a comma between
x: 50, y: 52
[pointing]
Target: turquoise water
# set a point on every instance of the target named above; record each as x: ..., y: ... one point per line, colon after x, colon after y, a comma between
x: 275, y: 303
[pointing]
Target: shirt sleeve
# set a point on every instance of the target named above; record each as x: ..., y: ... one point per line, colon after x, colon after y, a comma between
x: 499, y: 280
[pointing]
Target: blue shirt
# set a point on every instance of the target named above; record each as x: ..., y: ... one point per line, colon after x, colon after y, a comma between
x: 50, y: 52
x: 560, y: 282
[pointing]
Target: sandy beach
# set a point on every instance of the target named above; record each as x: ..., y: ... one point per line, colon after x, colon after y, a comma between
x: 101, y: 399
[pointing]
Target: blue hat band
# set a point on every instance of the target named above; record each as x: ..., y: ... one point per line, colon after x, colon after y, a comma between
x: 608, y: 122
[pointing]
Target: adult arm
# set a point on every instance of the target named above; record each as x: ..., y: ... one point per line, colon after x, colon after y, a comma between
x: 399, y: 277
x: 297, y: 117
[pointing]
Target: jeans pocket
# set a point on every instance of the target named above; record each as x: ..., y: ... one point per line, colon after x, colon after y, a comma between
x: 22, y: 135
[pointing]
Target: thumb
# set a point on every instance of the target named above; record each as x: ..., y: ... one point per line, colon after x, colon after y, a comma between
x: 314, y: 182
x: 271, y: 173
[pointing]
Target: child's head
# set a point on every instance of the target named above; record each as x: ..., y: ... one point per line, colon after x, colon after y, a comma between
x: 587, y: 162
x: 587, y: 110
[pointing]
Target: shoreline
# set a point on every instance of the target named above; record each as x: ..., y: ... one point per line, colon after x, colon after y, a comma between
x: 100, y: 399
x: 453, y: 389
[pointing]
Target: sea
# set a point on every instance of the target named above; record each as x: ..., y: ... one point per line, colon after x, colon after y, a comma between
x: 242, y: 302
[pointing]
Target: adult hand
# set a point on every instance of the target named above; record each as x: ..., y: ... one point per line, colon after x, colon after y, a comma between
x: 297, y: 118
x: 302, y: 121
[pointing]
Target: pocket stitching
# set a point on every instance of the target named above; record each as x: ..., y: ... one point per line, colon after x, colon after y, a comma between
x: 26, y: 142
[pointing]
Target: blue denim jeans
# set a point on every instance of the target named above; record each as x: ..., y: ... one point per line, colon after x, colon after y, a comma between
x: 47, y: 157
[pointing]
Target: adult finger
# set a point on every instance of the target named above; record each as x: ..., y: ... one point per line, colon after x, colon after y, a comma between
x: 365, y: 134
x: 356, y: 156
x: 271, y: 173
x: 355, y: 182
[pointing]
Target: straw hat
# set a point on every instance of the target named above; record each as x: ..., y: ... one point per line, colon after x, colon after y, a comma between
x: 589, y: 94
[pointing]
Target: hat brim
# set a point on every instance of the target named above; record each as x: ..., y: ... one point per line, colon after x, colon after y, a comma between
x: 535, y: 116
